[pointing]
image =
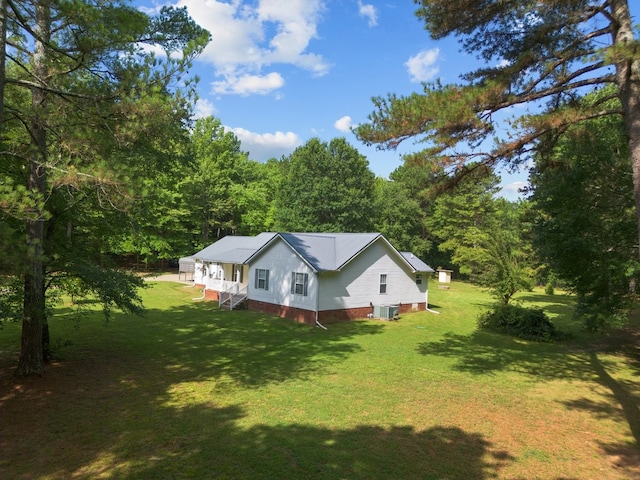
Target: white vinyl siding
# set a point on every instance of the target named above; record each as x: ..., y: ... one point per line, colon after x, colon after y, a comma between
x: 281, y: 261
x: 358, y: 284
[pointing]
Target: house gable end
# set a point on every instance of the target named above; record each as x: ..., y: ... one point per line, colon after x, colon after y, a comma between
x: 265, y: 248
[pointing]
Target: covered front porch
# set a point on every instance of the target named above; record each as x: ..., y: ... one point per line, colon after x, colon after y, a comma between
x: 225, y: 282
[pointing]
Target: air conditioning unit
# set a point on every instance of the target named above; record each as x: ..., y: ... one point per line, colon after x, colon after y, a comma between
x: 386, y: 312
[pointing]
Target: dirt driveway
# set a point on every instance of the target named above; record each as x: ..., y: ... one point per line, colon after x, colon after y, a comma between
x: 168, y: 277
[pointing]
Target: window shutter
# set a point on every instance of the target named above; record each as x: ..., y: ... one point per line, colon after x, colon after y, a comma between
x: 255, y: 283
x: 266, y: 280
x: 306, y: 282
x: 293, y: 282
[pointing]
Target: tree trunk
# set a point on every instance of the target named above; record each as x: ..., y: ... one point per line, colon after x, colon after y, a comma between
x: 31, y: 358
x: 31, y: 353
x: 628, y: 82
x: 3, y: 50
x: 34, y: 308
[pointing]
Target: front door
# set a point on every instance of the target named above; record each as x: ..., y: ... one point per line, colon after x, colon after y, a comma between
x: 238, y: 273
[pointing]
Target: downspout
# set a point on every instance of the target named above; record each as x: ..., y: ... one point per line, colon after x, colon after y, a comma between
x: 427, y: 300
x: 203, y: 294
x: 318, y: 324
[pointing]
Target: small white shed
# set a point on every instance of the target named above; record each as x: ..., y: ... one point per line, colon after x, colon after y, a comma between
x: 444, y: 276
x: 186, y: 266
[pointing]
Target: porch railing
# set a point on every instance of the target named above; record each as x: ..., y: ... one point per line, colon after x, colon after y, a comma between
x: 219, y: 285
x: 232, y: 296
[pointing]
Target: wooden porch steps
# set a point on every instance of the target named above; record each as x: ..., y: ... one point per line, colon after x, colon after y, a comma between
x: 237, y: 300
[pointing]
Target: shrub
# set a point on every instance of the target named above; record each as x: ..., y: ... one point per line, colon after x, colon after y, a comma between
x: 518, y: 321
x: 549, y: 288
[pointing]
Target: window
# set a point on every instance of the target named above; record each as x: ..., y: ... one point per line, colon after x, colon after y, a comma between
x: 383, y: 283
x: 299, y: 283
x: 262, y: 279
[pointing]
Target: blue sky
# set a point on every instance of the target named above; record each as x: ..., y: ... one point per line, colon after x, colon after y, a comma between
x: 278, y: 73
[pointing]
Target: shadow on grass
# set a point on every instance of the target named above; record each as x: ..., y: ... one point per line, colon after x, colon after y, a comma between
x: 197, y: 342
x: 148, y: 440
x: 621, y: 392
x: 108, y: 410
x: 484, y: 353
x: 299, y: 451
x: 559, y: 304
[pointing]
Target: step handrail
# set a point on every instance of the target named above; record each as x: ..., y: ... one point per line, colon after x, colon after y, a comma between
x: 240, y: 296
x: 234, y: 295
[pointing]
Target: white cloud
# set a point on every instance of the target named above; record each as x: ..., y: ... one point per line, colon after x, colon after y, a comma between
x: 515, y: 186
x: 249, y: 36
x: 422, y: 66
x: 511, y: 191
x: 249, y: 84
x: 263, y: 146
x: 204, y: 108
x: 368, y: 11
x: 343, y: 124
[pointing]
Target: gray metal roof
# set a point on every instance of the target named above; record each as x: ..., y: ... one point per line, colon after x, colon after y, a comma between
x: 234, y: 249
x: 417, y: 264
x: 322, y: 251
x: 329, y: 251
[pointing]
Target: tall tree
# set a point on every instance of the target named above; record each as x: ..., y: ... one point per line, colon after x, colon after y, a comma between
x: 486, y: 236
x: 511, y: 265
x: 257, y: 201
x: 582, y: 189
x: 403, y: 205
x: 158, y: 225
x: 463, y: 220
x: 217, y: 184
x: 541, y: 53
x: 326, y: 187
x: 86, y: 91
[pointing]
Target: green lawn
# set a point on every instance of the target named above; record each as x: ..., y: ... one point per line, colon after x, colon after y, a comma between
x: 193, y: 392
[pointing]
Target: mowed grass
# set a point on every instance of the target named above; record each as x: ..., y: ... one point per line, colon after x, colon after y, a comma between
x: 191, y: 392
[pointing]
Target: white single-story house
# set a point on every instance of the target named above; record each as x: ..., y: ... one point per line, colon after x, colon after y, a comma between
x: 313, y: 277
